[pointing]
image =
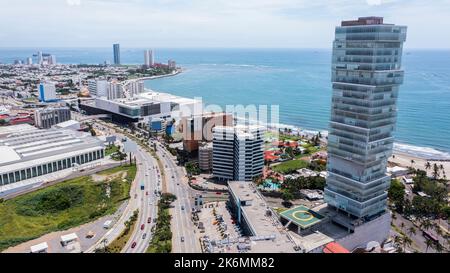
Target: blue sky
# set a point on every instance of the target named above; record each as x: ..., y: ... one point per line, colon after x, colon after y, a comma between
x: 210, y: 23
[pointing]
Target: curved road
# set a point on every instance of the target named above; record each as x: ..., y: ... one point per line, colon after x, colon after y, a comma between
x: 182, y: 225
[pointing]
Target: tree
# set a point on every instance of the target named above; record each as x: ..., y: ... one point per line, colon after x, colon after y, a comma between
x: 428, y: 243
x: 396, y: 194
x: 436, y: 171
x: 412, y: 162
x: 412, y: 231
x: 427, y: 165
x: 406, y: 242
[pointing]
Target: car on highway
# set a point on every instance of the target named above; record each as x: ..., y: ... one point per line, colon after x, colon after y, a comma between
x: 149, y: 220
x: 133, y: 245
x: 182, y: 239
x: 146, y: 193
x: 173, y: 176
x: 182, y: 207
x: 144, y: 235
x: 142, y: 226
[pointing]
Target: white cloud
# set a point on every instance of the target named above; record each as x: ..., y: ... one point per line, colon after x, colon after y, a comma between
x: 219, y: 23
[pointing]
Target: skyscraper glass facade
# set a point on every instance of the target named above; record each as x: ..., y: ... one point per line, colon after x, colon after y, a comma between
x: 366, y: 74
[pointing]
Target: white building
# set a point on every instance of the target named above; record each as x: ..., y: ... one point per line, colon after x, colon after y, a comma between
x: 28, y: 152
x: 47, y: 91
x: 133, y: 88
x: 115, y: 90
x: 98, y: 88
x: 145, y: 106
x: 149, y: 58
x: 238, y: 152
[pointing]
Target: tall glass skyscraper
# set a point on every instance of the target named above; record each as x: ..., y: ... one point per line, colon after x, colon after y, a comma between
x: 116, y: 49
x: 366, y: 75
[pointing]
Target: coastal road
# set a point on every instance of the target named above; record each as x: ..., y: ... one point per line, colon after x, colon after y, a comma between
x: 147, y: 202
x: 182, y: 225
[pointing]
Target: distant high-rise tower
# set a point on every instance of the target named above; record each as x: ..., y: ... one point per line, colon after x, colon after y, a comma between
x: 366, y: 74
x: 40, y: 58
x: 149, y: 58
x: 116, y: 48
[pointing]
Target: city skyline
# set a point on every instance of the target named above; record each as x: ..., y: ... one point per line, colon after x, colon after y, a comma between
x: 195, y: 24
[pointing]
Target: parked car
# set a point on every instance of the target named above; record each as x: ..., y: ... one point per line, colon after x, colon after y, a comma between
x: 133, y: 245
x: 142, y: 227
x: 149, y: 220
x: 182, y: 239
x: 144, y: 235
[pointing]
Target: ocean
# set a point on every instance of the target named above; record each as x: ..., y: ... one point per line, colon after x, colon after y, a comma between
x: 298, y: 80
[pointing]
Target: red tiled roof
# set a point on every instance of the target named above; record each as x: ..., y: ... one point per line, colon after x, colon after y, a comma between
x: 334, y: 247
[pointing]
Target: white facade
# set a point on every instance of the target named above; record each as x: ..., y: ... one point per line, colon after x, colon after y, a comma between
x: 31, y: 153
x: 115, y: 91
x: 149, y: 58
x: 238, y: 152
x: 98, y: 88
x: 47, y: 91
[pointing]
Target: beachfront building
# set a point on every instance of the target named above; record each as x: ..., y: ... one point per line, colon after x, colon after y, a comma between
x: 149, y: 60
x: 47, y: 117
x: 238, y: 152
x: 28, y: 152
x: 116, y: 49
x: 366, y: 74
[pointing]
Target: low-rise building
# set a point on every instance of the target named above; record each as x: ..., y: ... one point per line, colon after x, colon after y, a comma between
x: 28, y: 152
x: 47, y: 117
x: 205, y: 156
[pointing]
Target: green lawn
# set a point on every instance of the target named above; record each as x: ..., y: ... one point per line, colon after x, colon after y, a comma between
x: 290, y: 166
x: 110, y: 149
x: 61, y: 206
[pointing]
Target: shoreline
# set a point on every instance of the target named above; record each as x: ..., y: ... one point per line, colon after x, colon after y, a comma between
x: 402, y: 151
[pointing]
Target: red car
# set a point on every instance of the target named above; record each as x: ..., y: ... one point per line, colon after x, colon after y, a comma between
x: 149, y: 220
x: 133, y: 245
x: 218, y: 193
x: 142, y: 227
x: 146, y: 193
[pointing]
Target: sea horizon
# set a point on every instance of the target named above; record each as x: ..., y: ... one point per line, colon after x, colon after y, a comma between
x: 296, y: 79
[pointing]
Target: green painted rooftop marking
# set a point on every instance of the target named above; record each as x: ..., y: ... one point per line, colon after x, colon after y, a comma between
x: 302, y: 216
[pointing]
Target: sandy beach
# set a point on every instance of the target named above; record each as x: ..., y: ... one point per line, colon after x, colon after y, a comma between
x: 404, y: 160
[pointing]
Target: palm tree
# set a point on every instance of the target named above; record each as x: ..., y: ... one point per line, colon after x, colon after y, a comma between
x: 398, y: 242
x: 436, y: 171
x: 402, y: 226
x: 412, y: 162
x: 438, y: 247
x: 406, y: 242
x: 429, y: 244
x: 427, y: 165
x: 412, y: 231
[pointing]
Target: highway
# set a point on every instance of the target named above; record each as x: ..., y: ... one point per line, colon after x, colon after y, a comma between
x: 147, y: 202
x: 182, y: 225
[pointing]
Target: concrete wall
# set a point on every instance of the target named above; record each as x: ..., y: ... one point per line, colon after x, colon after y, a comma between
x: 375, y: 230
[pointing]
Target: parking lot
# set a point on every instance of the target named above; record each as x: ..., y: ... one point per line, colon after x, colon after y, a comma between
x: 218, y: 224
